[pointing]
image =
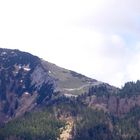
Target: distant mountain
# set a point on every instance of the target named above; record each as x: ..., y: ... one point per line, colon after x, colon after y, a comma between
x: 42, y: 101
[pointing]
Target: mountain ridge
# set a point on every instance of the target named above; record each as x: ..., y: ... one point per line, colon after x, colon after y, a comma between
x: 27, y: 80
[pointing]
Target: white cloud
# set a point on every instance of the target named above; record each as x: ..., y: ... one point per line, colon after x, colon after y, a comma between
x: 97, y: 38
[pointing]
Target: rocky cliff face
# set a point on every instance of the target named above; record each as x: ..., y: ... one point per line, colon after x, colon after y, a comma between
x: 107, y: 98
x: 23, y: 83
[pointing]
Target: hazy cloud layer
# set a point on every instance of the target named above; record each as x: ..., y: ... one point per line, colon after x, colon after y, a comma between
x: 98, y: 38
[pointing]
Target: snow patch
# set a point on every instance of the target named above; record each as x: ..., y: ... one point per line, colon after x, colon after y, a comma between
x: 27, y: 69
x: 26, y: 93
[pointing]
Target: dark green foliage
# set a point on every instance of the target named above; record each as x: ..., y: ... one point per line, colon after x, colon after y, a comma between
x: 89, y: 124
x: 16, y: 104
x: 128, y: 127
x: 97, y: 132
x: 3, y: 79
x: 33, y: 126
x: 93, y: 126
x: 45, y: 92
x: 99, y: 90
x: 130, y: 89
x: 6, y: 107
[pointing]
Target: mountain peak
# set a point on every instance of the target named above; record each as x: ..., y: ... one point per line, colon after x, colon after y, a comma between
x: 22, y: 73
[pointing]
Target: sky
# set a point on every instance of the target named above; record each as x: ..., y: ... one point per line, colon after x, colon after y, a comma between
x: 98, y: 38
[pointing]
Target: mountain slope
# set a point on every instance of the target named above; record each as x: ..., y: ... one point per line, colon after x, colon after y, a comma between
x: 27, y: 81
x: 69, y: 82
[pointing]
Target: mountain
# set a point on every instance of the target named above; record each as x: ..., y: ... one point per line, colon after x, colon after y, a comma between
x: 26, y: 81
x: 42, y: 101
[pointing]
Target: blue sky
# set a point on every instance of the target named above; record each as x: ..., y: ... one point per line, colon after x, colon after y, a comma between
x: 98, y: 38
